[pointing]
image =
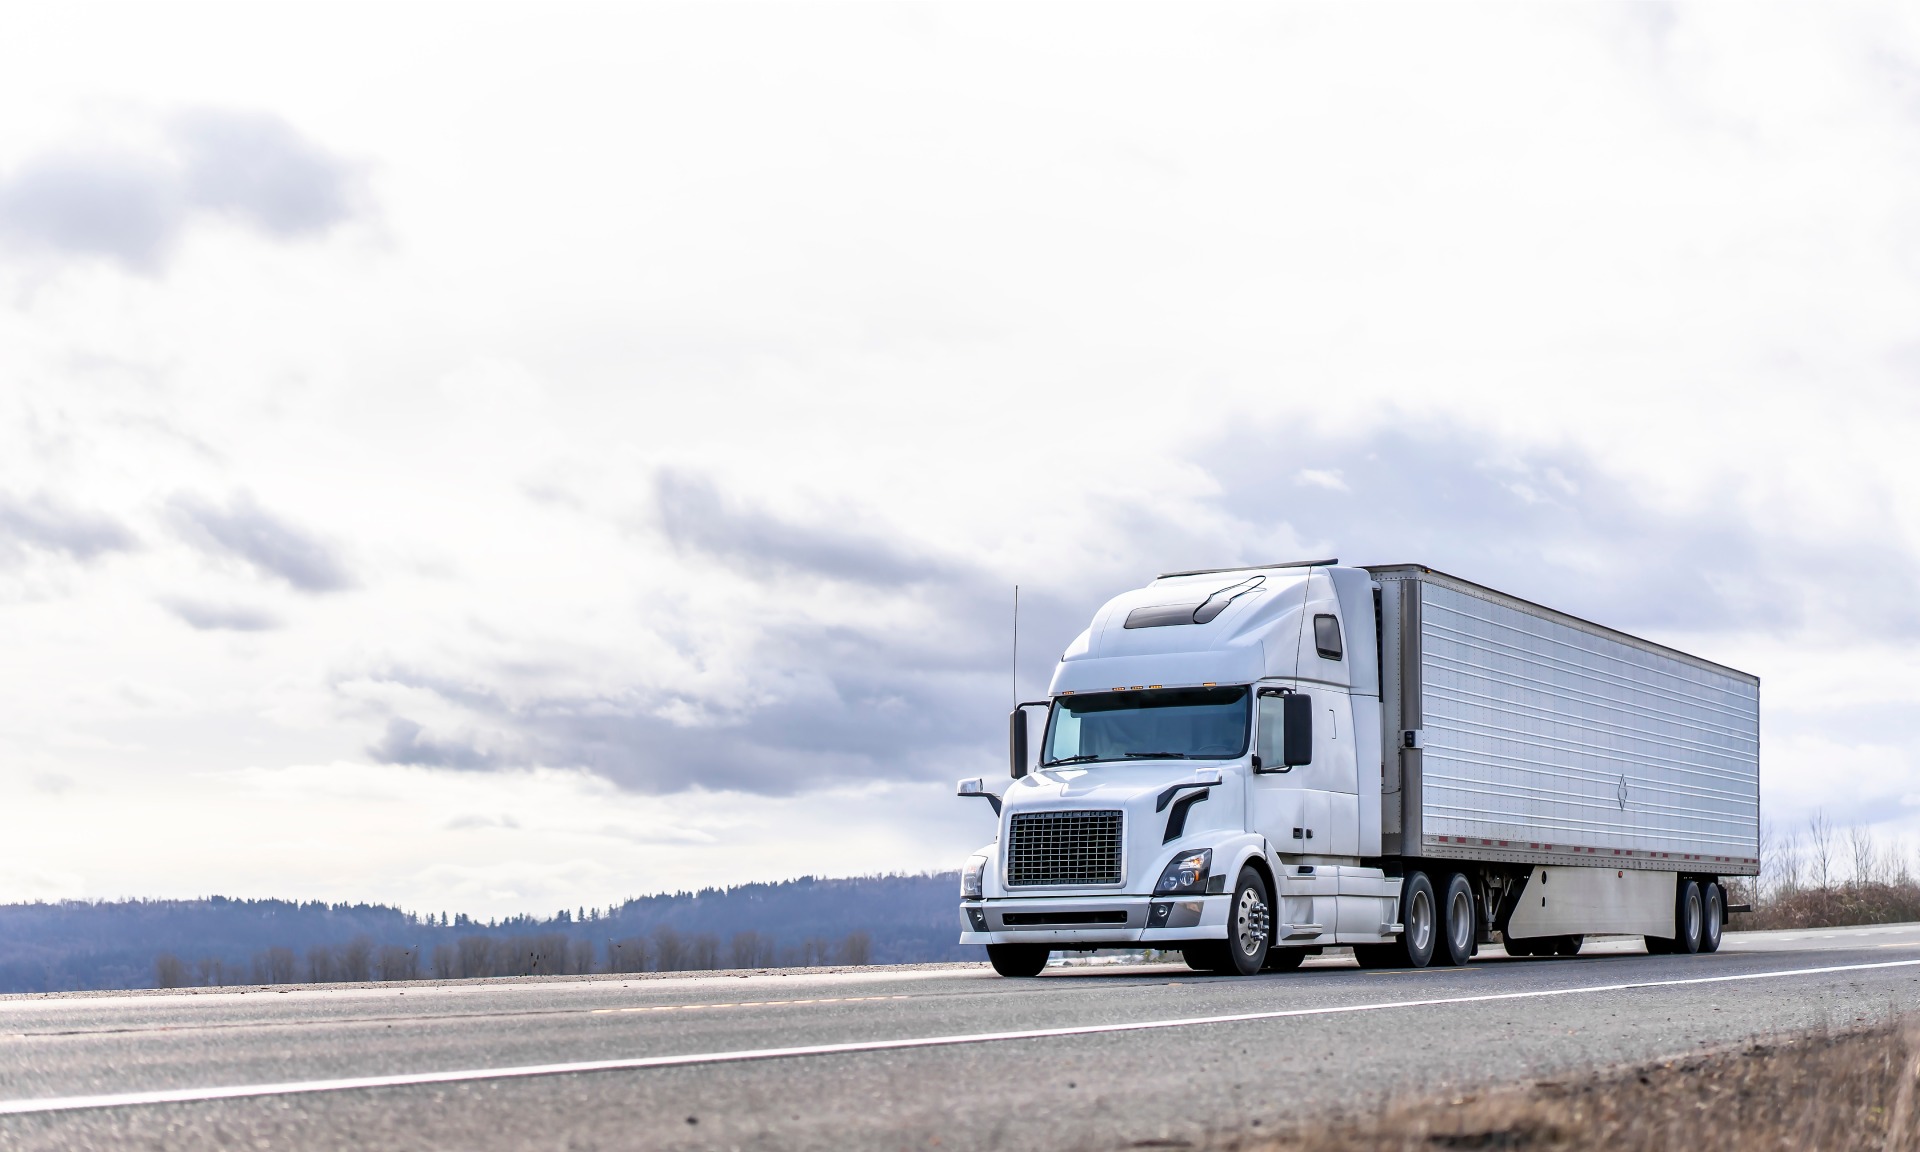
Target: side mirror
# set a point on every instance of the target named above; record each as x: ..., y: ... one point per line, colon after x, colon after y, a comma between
x: 1017, y: 742
x: 1017, y: 736
x: 1298, y: 742
x: 978, y: 787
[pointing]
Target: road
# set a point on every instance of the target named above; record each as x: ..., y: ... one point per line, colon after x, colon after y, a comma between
x: 951, y: 1057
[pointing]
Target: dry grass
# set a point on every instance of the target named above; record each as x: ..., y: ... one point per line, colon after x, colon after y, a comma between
x: 1844, y: 1092
x: 1871, y: 902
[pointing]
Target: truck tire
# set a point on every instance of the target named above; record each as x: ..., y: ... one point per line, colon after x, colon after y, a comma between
x: 1714, y: 898
x: 1457, y: 923
x: 1530, y: 946
x: 1568, y: 945
x: 1249, y: 925
x: 1689, y: 918
x: 1018, y: 959
x: 1419, y: 922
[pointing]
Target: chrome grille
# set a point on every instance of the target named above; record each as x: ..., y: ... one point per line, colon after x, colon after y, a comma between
x: 1064, y: 848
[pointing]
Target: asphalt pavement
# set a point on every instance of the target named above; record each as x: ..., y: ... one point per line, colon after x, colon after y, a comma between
x: 1084, y: 1057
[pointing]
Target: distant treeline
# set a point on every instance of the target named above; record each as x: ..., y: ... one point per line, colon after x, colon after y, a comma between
x: 548, y: 954
x: 219, y: 941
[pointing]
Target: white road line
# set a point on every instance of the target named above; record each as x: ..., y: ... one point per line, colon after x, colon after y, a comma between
x: 241, y: 1091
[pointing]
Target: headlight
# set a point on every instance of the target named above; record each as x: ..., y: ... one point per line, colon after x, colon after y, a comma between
x: 1186, y: 875
x: 970, y: 877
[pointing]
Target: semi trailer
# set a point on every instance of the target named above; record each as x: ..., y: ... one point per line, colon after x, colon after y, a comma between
x: 1253, y: 765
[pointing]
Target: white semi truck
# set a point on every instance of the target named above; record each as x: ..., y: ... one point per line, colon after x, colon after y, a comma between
x: 1252, y: 765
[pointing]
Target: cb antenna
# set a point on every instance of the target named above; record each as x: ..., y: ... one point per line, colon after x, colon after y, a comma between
x: 1016, y: 645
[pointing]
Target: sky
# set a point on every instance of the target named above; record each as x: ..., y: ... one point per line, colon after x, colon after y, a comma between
x: 504, y: 458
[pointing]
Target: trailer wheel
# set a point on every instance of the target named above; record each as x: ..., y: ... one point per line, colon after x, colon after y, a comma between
x: 1419, y: 922
x: 1689, y: 918
x: 1456, y: 923
x: 1017, y: 959
x: 1715, y: 901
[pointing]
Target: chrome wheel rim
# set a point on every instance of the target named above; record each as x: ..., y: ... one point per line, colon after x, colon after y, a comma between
x: 1460, y: 922
x: 1693, y: 916
x: 1420, y: 921
x: 1250, y: 921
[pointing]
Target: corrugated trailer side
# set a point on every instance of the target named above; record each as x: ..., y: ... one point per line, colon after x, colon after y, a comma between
x: 1543, y: 738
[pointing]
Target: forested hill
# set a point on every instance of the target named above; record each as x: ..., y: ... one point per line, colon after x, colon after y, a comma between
x: 147, y: 943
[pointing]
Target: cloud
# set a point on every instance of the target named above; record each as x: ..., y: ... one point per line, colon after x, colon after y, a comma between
x: 43, y: 524
x: 1552, y: 523
x: 892, y: 665
x: 696, y: 518
x: 887, y: 661
x: 207, y: 617
x: 133, y: 206
x: 406, y: 742
x: 471, y: 822
x: 258, y: 169
x: 122, y: 207
x: 246, y: 532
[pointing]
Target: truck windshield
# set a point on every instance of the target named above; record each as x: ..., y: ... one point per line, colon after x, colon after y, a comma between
x: 1156, y: 723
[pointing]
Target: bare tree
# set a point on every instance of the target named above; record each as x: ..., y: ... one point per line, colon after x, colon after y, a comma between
x: 356, y: 960
x: 446, y: 960
x: 703, y: 952
x: 548, y: 954
x: 628, y: 955
x: 399, y: 963
x: 476, y: 956
x: 1820, y: 837
x: 745, y: 950
x: 669, y: 951
x: 321, y: 968
x: 857, y: 948
x: 1865, y: 854
x: 580, y: 957
x: 168, y: 972
x: 273, y: 966
x: 1791, y: 867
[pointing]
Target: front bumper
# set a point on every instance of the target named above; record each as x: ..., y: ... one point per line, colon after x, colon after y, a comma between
x: 1094, y: 921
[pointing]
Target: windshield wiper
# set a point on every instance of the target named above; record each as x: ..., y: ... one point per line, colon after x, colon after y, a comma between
x: 1080, y: 759
x: 1158, y: 756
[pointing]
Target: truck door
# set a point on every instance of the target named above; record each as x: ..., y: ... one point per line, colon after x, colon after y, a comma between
x: 1289, y: 805
x: 1310, y: 809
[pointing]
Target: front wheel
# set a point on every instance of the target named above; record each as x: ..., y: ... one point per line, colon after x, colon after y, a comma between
x: 1249, y: 924
x: 1017, y: 959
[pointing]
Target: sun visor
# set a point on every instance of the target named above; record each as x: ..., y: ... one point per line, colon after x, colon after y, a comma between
x: 1236, y: 665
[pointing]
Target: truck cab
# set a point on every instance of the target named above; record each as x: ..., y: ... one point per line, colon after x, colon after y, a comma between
x: 1207, y: 779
